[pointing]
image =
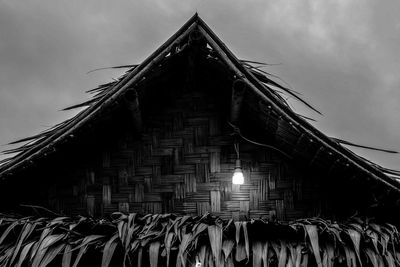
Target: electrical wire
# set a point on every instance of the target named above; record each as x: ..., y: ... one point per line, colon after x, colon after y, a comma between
x: 236, y: 131
x: 236, y: 146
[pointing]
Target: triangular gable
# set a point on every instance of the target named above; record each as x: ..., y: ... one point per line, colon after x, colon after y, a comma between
x: 45, y: 143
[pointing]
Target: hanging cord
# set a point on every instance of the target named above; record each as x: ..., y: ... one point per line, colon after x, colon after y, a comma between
x: 236, y: 131
x: 236, y: 146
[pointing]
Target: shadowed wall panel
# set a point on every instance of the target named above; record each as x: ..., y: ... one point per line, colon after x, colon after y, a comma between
x: 183, y: 164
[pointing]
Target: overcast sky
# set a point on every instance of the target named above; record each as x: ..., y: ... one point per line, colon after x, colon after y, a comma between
x: 343, y: 56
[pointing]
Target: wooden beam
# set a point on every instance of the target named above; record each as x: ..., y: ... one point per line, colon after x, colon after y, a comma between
x: 320, y: 149
x: 132, y: 103
x: 299, y: 140
x: 197, y: 37
x: 90, y: 205
x: 238, y: 90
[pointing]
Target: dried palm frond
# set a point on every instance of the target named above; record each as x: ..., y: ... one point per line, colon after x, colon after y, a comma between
x: 344, y: 142
x: 168, y: 240
x: 262, y: 76
x: 114, y: 67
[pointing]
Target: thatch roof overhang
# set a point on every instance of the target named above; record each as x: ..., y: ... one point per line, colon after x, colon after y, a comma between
x: 319, y: 146
x: 170, y: 240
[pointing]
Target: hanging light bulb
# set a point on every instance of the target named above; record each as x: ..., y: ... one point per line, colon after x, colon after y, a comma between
x: 238, y: 177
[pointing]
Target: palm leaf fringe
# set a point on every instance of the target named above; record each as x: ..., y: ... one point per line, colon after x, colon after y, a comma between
x: 341, y: 141
x: 170, y: 240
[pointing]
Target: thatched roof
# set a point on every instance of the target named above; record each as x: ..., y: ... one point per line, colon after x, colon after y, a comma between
x: 169, y: 240
x: 260, y: 83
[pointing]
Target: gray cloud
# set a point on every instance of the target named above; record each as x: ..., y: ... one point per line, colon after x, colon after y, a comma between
x: 342, y: 55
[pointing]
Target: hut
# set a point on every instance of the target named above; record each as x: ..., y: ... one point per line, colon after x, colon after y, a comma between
x: 205, y: 164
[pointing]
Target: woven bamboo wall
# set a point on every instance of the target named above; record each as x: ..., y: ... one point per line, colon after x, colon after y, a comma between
x: 184, y: 164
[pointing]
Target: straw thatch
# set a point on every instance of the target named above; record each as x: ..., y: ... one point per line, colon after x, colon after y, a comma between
x: 168, y: 240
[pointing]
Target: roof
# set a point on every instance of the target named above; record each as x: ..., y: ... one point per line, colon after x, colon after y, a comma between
x: 89, y: 241
x: 259, y: 82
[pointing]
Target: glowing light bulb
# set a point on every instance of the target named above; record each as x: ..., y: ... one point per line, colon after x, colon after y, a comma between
x: 238, y: 177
